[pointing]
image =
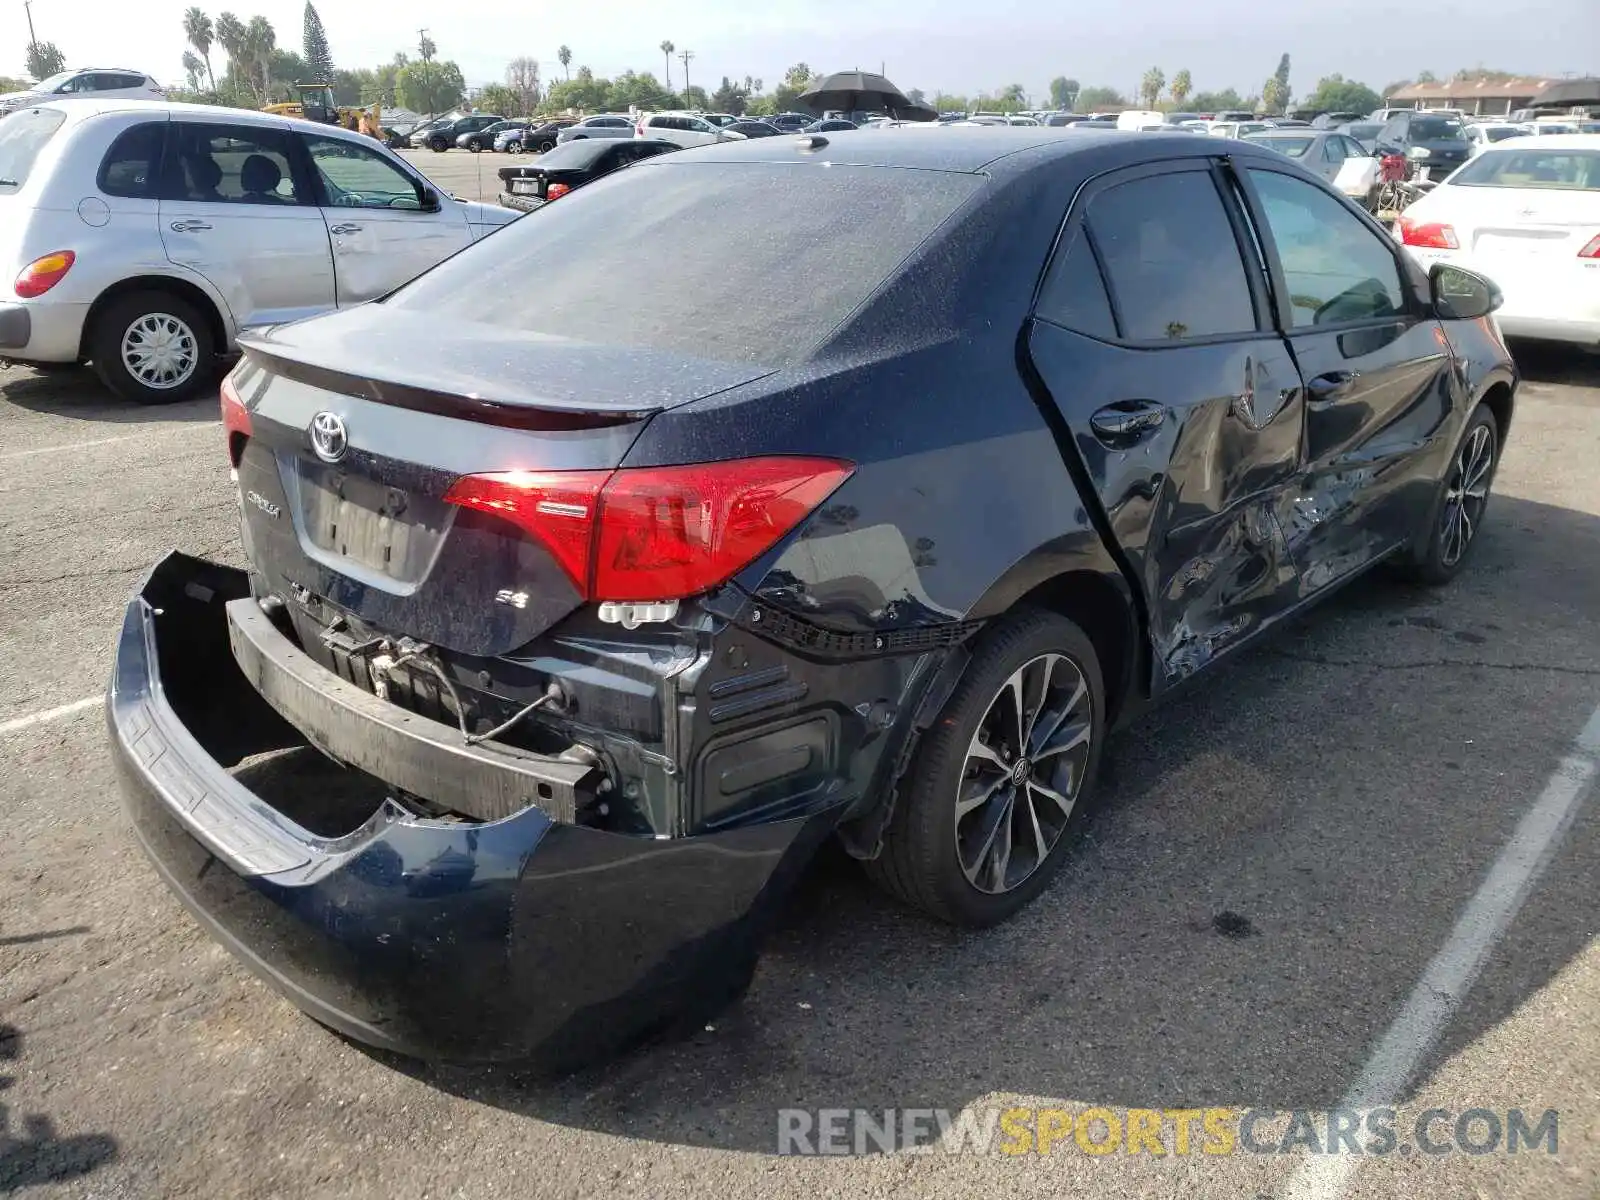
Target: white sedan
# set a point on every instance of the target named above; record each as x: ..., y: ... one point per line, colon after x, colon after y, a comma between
x: 1526, y: 214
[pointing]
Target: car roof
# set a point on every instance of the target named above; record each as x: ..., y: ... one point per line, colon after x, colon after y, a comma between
x: 957, y: 148
x: 1553, y: 141
x: 82, y: 110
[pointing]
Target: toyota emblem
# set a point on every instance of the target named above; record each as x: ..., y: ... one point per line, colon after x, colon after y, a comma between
x: 328, y: 436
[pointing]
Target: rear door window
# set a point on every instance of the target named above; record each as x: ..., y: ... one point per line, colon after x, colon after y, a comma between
x: 1074, y: 295
x: 1335, y: 269
x: 22, y: 136
x: 132, y: 166
x: 1171, y: 258
x: 230, y: 164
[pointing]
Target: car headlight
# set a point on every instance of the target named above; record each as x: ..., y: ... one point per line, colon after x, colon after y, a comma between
x: 1420, y: 152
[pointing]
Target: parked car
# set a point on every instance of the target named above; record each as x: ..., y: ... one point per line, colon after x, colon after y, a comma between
x: 144, y: 238
x: 1058, y: 119
x: 94, y: 83
x: 441, y: 137
x: 1363, y: 133
x: 837, y: 125
x: 1526, y: 214
x: 535, y: 139
x: 720, y: 120
x: 1181, y: 118
x: 790, y: 122
x: 1333, y: 120
x: 1341, y: 160
x: 484, y: 139
x: 1384, y: 115
x: 569, y: 167
x: 754, y: 129
x: 1237, y: 129
x: 1234, y: 115
x: 682, y: 129
x: 1483, y: 134
x: 1436, y: 144
x: 580, y: 619
x: 605, y: 125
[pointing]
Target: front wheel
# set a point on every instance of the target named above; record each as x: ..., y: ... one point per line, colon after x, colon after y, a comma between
x: 998, y: 789
x: 1456, y: 516
x: 514, y: 147
x: 546, y: 146
x: 475, y: 146
x: 438, y: 145
x: 152, y: 348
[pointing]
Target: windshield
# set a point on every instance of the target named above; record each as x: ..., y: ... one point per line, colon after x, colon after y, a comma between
x: 22, y: 136
x: 55, y: 81
x: 1500, y: 135
x: 1527, y: 167
x: 683, y: 257
x: 1437, y: 129
x: 1294, y: 147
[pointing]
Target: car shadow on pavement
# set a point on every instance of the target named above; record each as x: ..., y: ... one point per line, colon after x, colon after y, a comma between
x: 36, y: 1154
x: 1553, y: 362
x: 1275, y: 859
x: 77, y: 393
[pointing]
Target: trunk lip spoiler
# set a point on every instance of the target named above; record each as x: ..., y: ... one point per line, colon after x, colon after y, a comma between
x: 418, y: 398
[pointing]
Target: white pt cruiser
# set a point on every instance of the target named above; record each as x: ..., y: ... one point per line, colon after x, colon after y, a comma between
x: 142, y: 237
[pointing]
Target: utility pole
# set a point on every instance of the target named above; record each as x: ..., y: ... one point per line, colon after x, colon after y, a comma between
x: 427, y: 65
x: 684, y: 59
x: 33, y: 41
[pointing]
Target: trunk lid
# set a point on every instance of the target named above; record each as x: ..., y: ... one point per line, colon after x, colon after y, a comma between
x: 359, y: 423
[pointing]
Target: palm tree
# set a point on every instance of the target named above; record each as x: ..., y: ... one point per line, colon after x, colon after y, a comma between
x: 1182, y: 85
x: 229, y: 33
x: 194, y: 69
x: 1150, y: 86
x: 260, y: 41
x: 667, y: 48
x: 199, y: 31
x: 565, y: 55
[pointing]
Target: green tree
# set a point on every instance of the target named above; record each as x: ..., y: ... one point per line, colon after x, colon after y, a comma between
x: 1150, y: 86
x: 1182, y: 85
x: 795, y: 80
x: 1390, y: 89
x: 1100, y: 99
x: 498, y: 98
x: 1211, y: 102
x: 1275, y: 93
x: 729, y: 98
x: 315, y: 38
x: 230, y: 36
x: 1012, y: 99
x: 45, y: 60
x: 666, y: 51
x: 348, y: 85
x: 1335, y: 93
x: 260, y: 40
x: 194, y: 70
x: 583, y: 92
x: 429, y: 87
x: 949, y: 102
x: 1063, y: 92
x: 1427, y: 77
x: 695, y: 97
x: 8, y: 84
x: 200, y: 33
x: 916, y: 96
x: 632, y: 90
x: 565, y: 55
x: 522, y: 77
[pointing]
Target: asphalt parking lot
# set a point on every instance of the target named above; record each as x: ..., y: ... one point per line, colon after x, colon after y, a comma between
x: 1277, y: 863
x: 462, y: 173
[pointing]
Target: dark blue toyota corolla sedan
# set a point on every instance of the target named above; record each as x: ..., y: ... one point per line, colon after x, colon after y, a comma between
x: 756, y: 495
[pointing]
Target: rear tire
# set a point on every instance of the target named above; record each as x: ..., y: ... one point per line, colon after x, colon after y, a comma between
x: 1459, y: 505
x: 438, y: 145
x: 981, y: 825
x: 153, y: 348
x: 475, y: 146
x: 546, y: 146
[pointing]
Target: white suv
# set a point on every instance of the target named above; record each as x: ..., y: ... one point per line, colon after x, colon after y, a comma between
x: 95, y: 84
x: 144, y: 237
x: 683, y: 129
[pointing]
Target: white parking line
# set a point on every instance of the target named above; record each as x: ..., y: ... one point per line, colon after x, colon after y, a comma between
x: 1445, y: 983
x: 50, y: 714
x: 124, y: 437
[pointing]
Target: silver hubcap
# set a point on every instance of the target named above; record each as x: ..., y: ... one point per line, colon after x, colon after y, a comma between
x: 1465, y: 496
x: 1025, y: 767
x: 159, y: 351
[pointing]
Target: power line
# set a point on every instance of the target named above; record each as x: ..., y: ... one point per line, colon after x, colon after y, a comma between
x: 684, y: 58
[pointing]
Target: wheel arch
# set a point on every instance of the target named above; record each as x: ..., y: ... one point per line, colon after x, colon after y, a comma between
x: 185, y: 289
x: 1502, y: 403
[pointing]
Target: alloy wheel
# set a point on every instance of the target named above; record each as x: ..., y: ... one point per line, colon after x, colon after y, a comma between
x: 1024, y: 770
x: 1466, y: 495
x: 160, y: 351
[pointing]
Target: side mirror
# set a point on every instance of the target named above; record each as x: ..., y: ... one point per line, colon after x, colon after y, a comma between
x: 1460, y: 295
x: 429, y: 200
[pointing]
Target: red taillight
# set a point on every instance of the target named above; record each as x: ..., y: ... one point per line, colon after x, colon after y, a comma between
x: 1433, y: 235
x: 235, y: 421
x: 657, y: 533
x: 557, y: 190
x: 1592, y: 250
x: 42, y: 274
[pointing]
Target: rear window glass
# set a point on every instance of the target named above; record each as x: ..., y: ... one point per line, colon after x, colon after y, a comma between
x: 745, y: 262
x: 132, y: 166
x: 1435, y: 129
x: 570, y: 155
x: 22, y: 136
x: 1570, y: 170
x: 1292, y: 146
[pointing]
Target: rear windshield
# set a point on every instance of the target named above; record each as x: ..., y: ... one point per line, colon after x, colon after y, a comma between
x: 22, y: 136
x: 1436, y: 129
x: 744, y: 262
x: 1568, y: 170
x: 1294, y: 147
x: 1500, y: 135
x: 575, y: 154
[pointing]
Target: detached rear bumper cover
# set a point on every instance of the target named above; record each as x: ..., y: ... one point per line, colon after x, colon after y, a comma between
x: 516, y: 939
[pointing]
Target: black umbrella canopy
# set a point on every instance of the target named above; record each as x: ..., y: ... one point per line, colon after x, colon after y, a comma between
x: 1568, y: 92
x: 860, y: 91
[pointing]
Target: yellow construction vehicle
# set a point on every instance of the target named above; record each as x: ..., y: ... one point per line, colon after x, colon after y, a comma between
x: 316, y: 104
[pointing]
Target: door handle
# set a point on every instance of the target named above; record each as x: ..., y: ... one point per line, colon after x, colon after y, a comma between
x: 189, y: 226
x: 1127, y: 419
x: 345, y: 228
x: 1322, y: 388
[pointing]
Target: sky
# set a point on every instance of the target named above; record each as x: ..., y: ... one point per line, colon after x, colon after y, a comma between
x: 951, y: 45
